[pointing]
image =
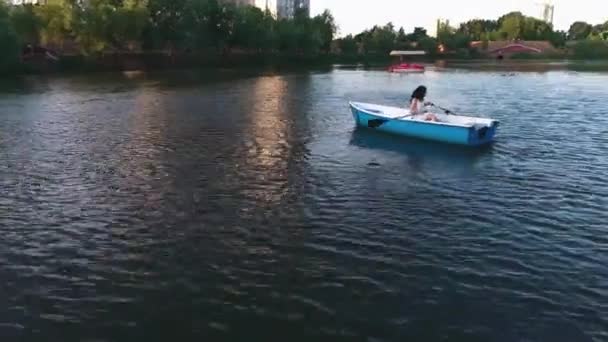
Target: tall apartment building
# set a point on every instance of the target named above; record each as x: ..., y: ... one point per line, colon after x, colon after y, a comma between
x: 242, y: 2
x: 287, y: 8
x: 270, y: 5
x: 279, y: 8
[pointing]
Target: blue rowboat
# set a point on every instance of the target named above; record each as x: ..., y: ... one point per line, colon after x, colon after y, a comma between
x: 452, y: 129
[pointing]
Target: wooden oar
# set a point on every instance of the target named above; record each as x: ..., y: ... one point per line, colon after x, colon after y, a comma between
x: 445, y: 110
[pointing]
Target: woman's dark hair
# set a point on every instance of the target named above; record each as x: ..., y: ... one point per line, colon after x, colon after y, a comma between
x: 419, y: 93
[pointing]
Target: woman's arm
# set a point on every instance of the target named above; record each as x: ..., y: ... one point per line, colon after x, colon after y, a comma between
x: 415, y: 106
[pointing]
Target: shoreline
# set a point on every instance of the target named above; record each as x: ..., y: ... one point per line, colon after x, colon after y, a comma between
x: 148, y: 62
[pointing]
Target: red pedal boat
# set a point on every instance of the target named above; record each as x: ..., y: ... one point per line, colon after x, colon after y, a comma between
x: 403, y: 67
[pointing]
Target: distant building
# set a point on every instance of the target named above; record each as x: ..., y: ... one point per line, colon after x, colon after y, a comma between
x: 267, y: 5
x: 287, y: 8
x: 282, y: 9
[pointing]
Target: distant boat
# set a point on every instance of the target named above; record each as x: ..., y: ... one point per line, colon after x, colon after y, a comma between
x: 453, y: 129
x: 404, y: 68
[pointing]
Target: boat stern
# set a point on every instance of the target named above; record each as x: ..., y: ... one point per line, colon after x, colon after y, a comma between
x: 482, y: 134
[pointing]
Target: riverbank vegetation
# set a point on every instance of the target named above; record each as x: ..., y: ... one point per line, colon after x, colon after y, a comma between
x: 170, y: 27
x: 128, y: 25
x: 8, y: 41
x: 210, y: 31
x: 582, y: 40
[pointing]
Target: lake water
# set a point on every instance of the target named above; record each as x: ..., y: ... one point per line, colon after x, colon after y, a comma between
x: 199, y: 206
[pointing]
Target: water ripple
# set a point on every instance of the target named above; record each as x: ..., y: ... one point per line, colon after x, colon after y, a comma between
x: 235, y: 207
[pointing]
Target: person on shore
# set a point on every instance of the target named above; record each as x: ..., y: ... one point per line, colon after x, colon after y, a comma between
x: 417, y: 104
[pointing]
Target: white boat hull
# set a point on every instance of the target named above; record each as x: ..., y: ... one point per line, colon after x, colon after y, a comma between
x: 453, y: 129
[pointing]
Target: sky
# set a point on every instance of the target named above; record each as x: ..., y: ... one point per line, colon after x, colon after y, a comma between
x: 354, y: 16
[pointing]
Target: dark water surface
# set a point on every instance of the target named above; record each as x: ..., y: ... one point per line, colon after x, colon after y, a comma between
x: 194, y: 206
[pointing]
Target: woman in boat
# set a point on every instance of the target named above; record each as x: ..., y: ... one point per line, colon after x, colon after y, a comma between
x: 417, y: 104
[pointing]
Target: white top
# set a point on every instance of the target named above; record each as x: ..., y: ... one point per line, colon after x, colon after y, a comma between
x: 417, y: 107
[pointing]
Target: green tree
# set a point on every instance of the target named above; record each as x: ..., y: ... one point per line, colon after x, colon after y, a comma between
x: 579, y: 30
x: 325, y: 25
x: 287, y: 36
x: 429, y: 45
x: 535, y: 29
x: 401, y: 40
x: 558, y: 38
x: 269, y: 38
x: 309, y: 38
x: 194, y: 26
x: 348, y: 45
x: 501, y: 19
x: 250, y: 28
x: 591, y: 49
x: 418, y: 34
x: 209, y: 24
x: 599, y: 32
x: 401, y: 36
x: 382, y: 39
x: 8, y: 40
x: 128, y: 23
x: 443, y: 27
x: 485, y: 41
x: 93, y: 24
x: 512, y: 25
x: 478, y: 29
x: 222, y: 23
x: 496, y: 35
x: 166, y: 26
x: 457, y: 41
x: 254, y: 29
x: 26, y: 23
x: 451, y: 38
x: 56, y: 19
x: 599, y: 28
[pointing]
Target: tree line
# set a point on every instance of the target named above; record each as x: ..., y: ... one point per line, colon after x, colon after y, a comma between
x: 96, y: 26
x: 511, y: 26
x: 146, y: 25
